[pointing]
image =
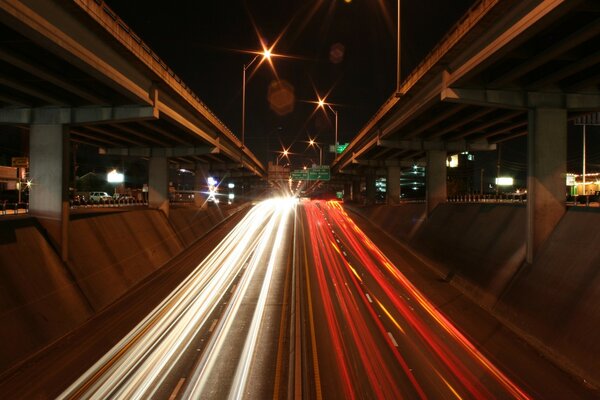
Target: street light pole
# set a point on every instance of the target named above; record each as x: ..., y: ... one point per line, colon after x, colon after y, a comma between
x: 246, y: 66
x: 336, y: 129
x: 265, y: 54
x: 398, y: 52
x: 311, y: 142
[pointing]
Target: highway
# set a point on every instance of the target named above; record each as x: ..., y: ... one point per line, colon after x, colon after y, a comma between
x: 373, y: 334
x: 215, y: 314
x: 297, y: 302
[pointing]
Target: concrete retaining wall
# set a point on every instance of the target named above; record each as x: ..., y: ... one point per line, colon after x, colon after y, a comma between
x: 109, y: 254
x: 42, y: 299
x: 38, y: 300
x: 190, y: 223
x: 555, y: 302
x: 401, y: 221
x: 480, y: 248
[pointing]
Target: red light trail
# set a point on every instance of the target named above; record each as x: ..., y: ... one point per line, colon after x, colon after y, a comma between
x: 389, y: 340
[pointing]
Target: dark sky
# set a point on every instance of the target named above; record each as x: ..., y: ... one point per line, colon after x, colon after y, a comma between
x: 206, y: 44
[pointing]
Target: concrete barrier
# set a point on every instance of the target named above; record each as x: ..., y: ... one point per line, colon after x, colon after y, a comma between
x: 38, y: 299
x: 553, y: 304
x: 42, y: 299
x: 191, y: 222
x: 400, y: 221
x: 479, y: 247
x: 112, y: 252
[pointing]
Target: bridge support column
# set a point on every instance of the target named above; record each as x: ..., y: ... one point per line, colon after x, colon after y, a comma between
x: 370, y: 185
x: 49, y: 173
x: 435, y: 173
x: 347, y: 191
x: 393, y: 185
x: 200, y: 185
x: 355, y: 190
x: 158, y: 183
x: 547, y: 164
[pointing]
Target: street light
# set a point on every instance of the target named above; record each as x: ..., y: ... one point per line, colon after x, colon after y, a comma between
x: 312, y: 143
x: 322, y: 104
x: 266, y: 55
x: 284, y: 153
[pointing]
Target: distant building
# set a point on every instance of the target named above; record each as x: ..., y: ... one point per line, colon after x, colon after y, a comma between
x: 575, y: 184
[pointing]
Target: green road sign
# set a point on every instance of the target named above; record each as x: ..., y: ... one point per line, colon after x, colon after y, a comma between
x: 299, y: 175
x: 319, y: 176
x: 341, y: 147
x: 316, y: 173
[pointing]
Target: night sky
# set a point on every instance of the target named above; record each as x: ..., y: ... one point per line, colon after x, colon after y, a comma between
x: 207, y: 44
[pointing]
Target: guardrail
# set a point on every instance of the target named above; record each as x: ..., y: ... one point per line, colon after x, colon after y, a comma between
x: 13, y: 208
x: 108, y: 203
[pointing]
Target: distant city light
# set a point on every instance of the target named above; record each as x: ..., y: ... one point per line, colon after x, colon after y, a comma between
x: 452, y: 161
x: 211, y: 181
x: 115, y: 177
x: 231, y: 196
x: 231, y: 185
x: 504, y: 181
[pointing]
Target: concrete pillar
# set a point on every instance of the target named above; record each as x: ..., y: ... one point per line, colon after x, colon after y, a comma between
x: 547, y: 167
x: 393, y: 185
x: 49, y: 173
x: 347, y: 191
x: 435, y: 174
x: 158, y: 184
x: 370, y: 185
x: 200, y: 186
x: 355, y: 190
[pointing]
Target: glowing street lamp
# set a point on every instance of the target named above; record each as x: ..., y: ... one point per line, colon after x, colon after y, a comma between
x: 284, y: 153
x: 266, y: 55
x: 321, y: 103
x: 312, y: 143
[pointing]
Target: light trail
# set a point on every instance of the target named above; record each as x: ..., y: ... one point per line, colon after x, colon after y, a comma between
x: 201, y: 377
x: 136, y: 367
x: 365, y: 300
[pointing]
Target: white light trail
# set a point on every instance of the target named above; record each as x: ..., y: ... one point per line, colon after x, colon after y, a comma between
x: 138, y: 364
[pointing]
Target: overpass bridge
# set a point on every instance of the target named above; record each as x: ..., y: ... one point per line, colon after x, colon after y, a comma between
x: 509, y: 68
x: 74, y: 72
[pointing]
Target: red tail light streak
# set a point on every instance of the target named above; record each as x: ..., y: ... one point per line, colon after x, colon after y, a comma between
x: 389, y: 340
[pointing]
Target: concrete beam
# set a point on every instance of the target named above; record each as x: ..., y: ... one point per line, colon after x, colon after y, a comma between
x: 388, y: 163
x: 225, y: 166
x: 503, y: 41
x: 420, y: 145
x: 179, y: 151
x: 77, y: 115
x: 520, y: 99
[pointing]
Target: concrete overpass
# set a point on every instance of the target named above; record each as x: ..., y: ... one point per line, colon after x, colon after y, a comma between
x: 508, y: 68
x: 72, y: 71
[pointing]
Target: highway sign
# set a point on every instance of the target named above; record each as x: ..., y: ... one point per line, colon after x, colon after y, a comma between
x: 341, y: 147
x: 299, y: 175
x: 319, y: 173
x: 316, y: 173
